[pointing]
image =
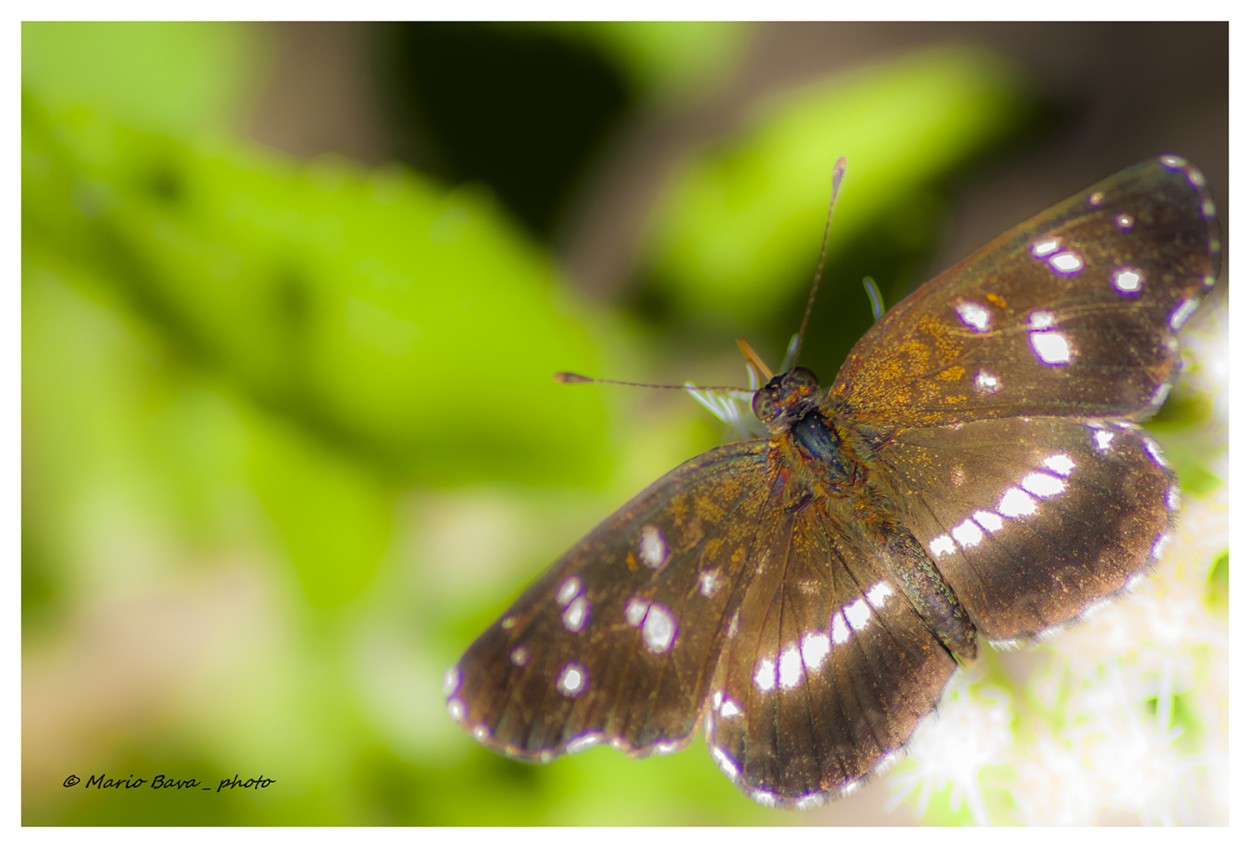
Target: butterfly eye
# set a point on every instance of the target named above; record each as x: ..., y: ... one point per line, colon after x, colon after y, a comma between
x: 803, y: 377
x: 764, y: 405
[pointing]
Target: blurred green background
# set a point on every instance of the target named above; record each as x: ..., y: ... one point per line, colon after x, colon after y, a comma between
x: 291, y: 299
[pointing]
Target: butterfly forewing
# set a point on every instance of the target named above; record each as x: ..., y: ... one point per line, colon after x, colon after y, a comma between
x: 617, y: 642
x: 828, y: 669
x: 1030, y: 520
x: 1072, y: 313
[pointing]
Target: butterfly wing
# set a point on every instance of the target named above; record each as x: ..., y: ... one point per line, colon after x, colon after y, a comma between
x: 618, y: 640
x: 1002, y: 421
x: 1072, y: 313
x: 1030, y: 520
x: 827, y: 669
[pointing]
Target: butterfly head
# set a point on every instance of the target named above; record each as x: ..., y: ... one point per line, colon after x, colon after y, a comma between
x: 786, y: 397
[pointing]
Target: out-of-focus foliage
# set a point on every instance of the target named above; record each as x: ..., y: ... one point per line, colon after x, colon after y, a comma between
x: 665, y: 59
x: 356, y: 303
x: 741, y: 220
x: 289, y: 439
x: 182, y: 77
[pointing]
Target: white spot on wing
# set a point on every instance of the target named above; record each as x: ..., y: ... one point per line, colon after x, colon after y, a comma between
x: 1124, y: 221
x: 1182, y: 312
x: 1016, y: 503
x: 974, y: 315
x: 986, y: 382
x: 1067, y: 263
x: 1060, y: 463
x: 1041, y: 484
x: 451, y: 680
x: 1051, y: 348
x: 572, y: 680
x: 1041, y: 320
x: 1095, y: 199
x: 878, y: 593
x: 887, y: 762
x: 726, y: 763
x: 968, y: 534
x: 658, y: 629
x: 1127, y: 280
x: 568, y: 591
x: 1171, y: 162
x: 1160, y: 395
x: 456, y: 708
x: 575, y: 615
x: 858, y: 614
x: 1045, y: 247
x: 652, y: 549
x: 763, y: 798
x: 1102, y: 440
x: 990, y: 521
x: 581, y: 743
x: 1174, y: 498
x: 635, y: 610
x: 815, y: 648
x: 808, y: 802
x: 519, y: 656
x: 730, y: 708
x: 766, y: 676
x: 838, y: 631
x: 790, y: 668
x: 942, y: 545
x: 709, y: 582
x: 1152, y: 448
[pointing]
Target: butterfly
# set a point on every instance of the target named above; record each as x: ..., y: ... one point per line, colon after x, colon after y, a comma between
x: 976, y: 469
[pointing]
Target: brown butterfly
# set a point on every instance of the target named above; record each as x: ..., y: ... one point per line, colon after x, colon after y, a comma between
x: 976, y: 467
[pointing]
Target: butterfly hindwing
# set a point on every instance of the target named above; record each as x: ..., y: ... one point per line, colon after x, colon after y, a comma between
x: 827, y: 668
x: 1072, y: 313
x: 617, y: 641
x: 1031, y: 520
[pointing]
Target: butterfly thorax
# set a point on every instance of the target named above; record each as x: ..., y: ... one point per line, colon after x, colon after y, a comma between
x: 805, y: 434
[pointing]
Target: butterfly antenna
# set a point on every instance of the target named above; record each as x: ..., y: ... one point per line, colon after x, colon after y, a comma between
x: 839, y: 169
x: 569, y: 377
